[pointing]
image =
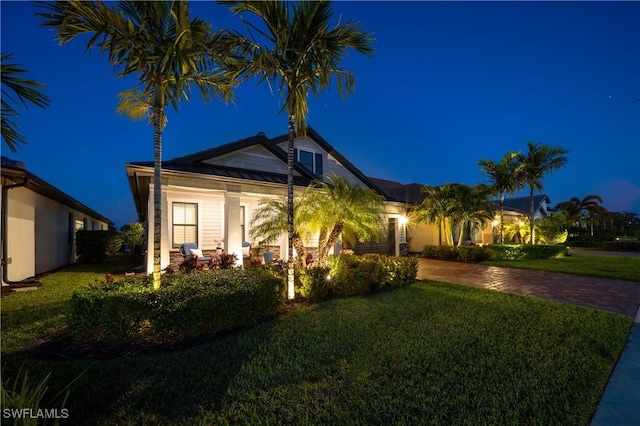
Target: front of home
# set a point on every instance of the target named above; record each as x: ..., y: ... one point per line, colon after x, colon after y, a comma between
x: 209, y: 197
x: 39, y: 223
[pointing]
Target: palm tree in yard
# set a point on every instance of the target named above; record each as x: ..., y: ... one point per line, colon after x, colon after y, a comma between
x: 299, y: 52
x: 539, y: 160
x: 437, y: 207
x: 340, y: 208
x: 505, y: 179
x: 471, y: 206
x: 17, y: 90
x: 166, y: 50
x: 588, y: 207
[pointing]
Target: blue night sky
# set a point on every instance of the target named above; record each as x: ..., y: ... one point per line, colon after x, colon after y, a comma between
x: 450, y: 83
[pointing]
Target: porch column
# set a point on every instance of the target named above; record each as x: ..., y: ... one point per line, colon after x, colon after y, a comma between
x: 232, y: 225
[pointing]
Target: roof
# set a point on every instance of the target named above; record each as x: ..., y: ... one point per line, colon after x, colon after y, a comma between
x: 521, y: 204
x: 405, y: 193
x: 195, y: 163
x: 16, y: 170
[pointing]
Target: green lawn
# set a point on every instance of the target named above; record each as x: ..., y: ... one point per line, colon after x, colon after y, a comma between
x: 431, y: 353
x: 618, y: 267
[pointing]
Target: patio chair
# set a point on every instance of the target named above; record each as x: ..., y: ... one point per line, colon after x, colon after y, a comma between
x: 191, y: 249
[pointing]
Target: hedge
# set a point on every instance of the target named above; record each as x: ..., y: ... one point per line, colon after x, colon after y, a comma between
x: 186, y: 305
x: 525, y: 251
x: 462, y: 253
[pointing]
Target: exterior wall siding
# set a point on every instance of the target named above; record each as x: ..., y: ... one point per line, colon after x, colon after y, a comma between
x: 252, y: 158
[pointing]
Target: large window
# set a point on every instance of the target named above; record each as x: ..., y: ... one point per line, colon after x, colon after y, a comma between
x: 185, y: 223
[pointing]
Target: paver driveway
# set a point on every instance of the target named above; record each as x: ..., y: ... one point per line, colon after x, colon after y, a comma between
x: 610, y: 295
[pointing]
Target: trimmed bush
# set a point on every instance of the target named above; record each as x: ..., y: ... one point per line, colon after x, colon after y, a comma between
x: 370, y: 273
x: 524, y: 251
x: 315, y: 284
x: 186, y: 305
x: 439, y: 252
x: 462, y: 253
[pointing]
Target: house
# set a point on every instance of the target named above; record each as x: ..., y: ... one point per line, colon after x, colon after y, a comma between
x: 39, y: 222
x: 208, y: 197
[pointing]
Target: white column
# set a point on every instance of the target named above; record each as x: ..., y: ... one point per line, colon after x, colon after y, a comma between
x: 232, y: 226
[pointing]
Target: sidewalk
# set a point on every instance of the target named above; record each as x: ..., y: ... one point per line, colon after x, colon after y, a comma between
x: 620, y: 402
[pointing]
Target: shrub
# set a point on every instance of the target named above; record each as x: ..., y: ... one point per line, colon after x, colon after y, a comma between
x: 315, y: 284
x: 462, y: 253
x: 439, y: 252
x: 524, y: 251
x: 354, y: 275
x: 471, y: 254
x: 402, y: 271
x: 191, y: 304
x: 93, y: 246
x: 622, y: 245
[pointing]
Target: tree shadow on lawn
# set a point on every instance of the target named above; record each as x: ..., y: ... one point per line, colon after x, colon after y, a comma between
x: 166, y: 380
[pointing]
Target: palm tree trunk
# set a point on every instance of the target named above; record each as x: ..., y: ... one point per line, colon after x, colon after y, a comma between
x: 501, y: 218
x: 301, y: 250
x: 531, y: 223
x: 157, y: 194
x: 290, y: 263
x: 323, y: 252
x: 439, y: 232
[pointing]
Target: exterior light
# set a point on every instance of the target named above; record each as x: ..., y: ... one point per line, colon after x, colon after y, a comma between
x: 403, y: 220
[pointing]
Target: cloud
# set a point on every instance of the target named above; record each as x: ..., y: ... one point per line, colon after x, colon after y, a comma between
x: 619, y: 195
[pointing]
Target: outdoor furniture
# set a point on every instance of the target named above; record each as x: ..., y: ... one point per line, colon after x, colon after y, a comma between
x: 191, y: 249
x: 246, y: 250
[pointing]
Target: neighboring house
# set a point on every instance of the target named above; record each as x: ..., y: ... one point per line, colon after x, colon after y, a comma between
x: 209, y: 197
x: 39, y: 223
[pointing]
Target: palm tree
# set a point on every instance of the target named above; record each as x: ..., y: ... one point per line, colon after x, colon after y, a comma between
x: 470, y: 206
x: 339, y: 208
x: 437, y: 207
x: 505, y: 179
x: 299, y: 52
x: 578, y: 209
x: 16, y: 90
x: 167, y: 51
x: 539, y: 160
x: 269, y: 221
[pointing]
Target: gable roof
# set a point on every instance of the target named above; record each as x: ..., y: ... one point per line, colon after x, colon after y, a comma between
x: 17, y: 170
x: 521, y: 204
x: 197, y: 163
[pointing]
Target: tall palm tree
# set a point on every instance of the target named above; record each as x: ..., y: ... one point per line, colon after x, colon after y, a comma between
x: 340, y: 208
x: 17, y: 90
x: 163, y: 47
x: 437, y: 207
x: 505, y: 179
x: 299, y: 52
x: 539, y: 160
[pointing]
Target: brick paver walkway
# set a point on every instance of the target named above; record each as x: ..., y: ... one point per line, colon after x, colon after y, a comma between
x: 610, y: 295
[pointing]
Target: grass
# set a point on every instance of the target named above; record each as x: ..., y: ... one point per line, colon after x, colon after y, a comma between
x: 617, y: 267
x: 431, y: 353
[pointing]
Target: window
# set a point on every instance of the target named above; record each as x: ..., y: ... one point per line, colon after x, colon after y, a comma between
x: 310, y: 161
x: 185, y: 223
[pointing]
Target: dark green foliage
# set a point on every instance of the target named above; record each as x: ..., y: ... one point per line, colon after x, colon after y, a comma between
x: 94, y: 246
x: 462, y: 253
x: 524, y: 251
x: 186, y: 305
x: 315, y: 284
x: 352, y: 275
x: 622, y: 245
